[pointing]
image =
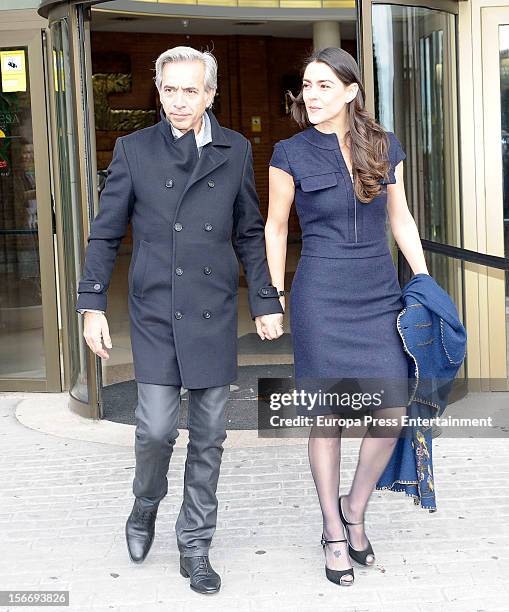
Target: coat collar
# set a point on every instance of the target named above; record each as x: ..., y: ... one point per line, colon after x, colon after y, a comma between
x: 211, y: 157
x: 219, y: 135
x: 320, y: 139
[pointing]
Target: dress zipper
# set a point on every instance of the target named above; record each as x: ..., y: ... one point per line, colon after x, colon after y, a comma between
x: 354, y: 207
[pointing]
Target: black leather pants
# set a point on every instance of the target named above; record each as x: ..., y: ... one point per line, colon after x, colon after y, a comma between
x: 157, y: 415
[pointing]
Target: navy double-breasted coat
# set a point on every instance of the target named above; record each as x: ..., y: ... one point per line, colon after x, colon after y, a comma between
x: 190, y: 217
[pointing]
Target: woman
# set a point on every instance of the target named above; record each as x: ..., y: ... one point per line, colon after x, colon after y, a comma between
x: 345, y: 295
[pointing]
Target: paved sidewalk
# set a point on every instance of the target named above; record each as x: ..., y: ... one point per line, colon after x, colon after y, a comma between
x: 64, y: 503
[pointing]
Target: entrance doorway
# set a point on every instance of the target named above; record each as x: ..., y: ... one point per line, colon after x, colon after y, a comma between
x: 105, y: 56
x: 77, y: 152
x: 259, y: 60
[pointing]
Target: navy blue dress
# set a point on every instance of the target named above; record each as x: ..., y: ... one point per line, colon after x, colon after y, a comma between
x: 345, y: 294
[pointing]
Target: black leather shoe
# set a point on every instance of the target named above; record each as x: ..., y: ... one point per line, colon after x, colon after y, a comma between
x: 139, y: 531
x: 203, y: 578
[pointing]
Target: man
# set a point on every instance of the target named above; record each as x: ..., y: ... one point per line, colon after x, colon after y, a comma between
x: 187, y: 186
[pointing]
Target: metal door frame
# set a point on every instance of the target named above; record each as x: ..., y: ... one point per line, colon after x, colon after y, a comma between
x: 32, y: 39
x: 78, y: 17
x: 491, y: 19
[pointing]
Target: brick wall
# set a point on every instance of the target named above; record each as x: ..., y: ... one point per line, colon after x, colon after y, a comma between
x: 251, y: 80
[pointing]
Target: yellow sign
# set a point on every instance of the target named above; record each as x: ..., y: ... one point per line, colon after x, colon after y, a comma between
x: 256, y: 124
x: 14, y: 74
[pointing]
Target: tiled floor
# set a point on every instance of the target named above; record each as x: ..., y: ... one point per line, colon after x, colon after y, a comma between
x: 67, y: 491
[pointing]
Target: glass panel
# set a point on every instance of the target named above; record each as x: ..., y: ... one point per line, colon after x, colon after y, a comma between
x: 68, y: 181
x: 415, y: 97
x: 432, y: 114
x: 504, y: 105
x: 21, y: 326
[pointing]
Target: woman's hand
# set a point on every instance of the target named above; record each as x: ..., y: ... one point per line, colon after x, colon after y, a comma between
x: 269, y: 326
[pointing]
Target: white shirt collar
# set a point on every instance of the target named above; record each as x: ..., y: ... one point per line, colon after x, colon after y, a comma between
x: 203, y: 137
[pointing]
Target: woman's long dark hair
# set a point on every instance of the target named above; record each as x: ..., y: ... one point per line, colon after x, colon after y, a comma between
x: 367, y: 140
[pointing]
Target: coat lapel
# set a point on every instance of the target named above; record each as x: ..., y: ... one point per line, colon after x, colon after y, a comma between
x: 210, y: 159
x: 211, y: 156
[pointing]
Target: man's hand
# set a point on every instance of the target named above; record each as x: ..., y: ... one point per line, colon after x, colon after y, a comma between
x: 95, y: 328
x: 269, y: 326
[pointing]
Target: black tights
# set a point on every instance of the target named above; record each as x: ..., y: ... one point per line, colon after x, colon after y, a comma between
x: 324, y: 451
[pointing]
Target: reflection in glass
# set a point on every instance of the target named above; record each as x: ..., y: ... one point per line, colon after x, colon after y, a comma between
x: 504, y: 139
x: 69, y: 201
x: 21, y: 326
x: 415, y: 97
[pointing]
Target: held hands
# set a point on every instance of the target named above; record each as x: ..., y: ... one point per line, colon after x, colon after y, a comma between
x: 270, y: 326
x: 95, y: 328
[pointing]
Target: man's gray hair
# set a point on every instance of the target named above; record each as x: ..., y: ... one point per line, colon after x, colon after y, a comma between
x: 188, y: 54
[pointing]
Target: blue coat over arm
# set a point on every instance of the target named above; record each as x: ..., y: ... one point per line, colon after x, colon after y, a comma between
x: 435, y: 344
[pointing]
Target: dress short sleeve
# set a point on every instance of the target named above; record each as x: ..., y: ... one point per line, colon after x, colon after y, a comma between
x: 279, y: 158
x: 396, y: 154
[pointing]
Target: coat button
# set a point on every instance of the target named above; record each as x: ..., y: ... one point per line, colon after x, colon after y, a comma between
x: 97, y: 286
x: 169, y: 183
x: 177, y: 227
x: 207, y: 227
x: 207, y: 314
x: 211, y: 184
x: 207, y: 270
x: 178, y: 314
x: 179, y: 271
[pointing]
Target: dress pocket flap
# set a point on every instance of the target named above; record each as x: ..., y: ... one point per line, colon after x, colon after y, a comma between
x: 318, y: 181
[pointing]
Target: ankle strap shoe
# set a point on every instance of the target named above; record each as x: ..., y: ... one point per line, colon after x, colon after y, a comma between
x: 337, y: 576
